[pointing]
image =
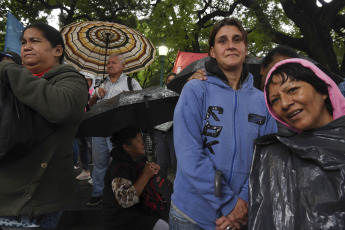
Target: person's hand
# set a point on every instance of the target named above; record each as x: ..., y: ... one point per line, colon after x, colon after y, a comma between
x: 223, y: 223
x: 150, y: 169
x: 101, y: 92
x: 200, y: 74
x: 155, y: 167
x: 237, y: 218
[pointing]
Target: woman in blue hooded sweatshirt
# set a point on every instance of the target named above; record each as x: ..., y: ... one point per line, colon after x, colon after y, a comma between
x: 215, y: 124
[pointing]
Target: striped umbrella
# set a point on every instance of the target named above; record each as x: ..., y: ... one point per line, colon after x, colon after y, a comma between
x: 88, y: 45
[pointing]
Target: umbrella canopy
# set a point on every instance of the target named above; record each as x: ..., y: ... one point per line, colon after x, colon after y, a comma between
x: 183, y: 59
x: 88, y: 44
x: 142, y: 108
x: 178, y: 82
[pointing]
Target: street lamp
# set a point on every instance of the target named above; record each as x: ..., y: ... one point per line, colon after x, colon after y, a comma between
x: 163, y: 51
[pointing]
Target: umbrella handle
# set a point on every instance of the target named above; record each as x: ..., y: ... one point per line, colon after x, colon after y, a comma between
x: 106, y: 51
x: 100, y: 83
x: 217, y: 183
x: 146, y: 101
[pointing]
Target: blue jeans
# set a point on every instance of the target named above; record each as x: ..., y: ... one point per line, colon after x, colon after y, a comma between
x: 178, y: 222
x: 46, y: 221
x: 75, y: 151
x: 81, y: 150
x: 101, y: 147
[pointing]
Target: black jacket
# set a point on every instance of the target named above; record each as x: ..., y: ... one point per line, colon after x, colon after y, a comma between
x: 297, y: 180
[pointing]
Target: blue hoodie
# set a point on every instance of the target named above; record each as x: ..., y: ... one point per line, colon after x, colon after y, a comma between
x: 214, y: 129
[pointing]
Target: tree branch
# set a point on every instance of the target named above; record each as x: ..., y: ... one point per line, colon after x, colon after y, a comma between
x: 339, y: 24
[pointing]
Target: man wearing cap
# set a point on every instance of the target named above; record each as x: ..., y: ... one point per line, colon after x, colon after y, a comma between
x: 12, y: 56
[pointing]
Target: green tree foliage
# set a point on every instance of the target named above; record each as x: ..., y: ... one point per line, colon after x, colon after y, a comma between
x: 3, y: 11
x: 33, y: 11
x: 184, y: 25
x: 316, y: 31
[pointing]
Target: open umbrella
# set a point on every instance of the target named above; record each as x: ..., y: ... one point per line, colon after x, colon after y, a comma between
x: 178, y: 82
x: 88, y: 44
x: 142, y: 108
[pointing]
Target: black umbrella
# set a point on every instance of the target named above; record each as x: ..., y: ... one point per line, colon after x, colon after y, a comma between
x: 178, y: 82
x: 142, y: 108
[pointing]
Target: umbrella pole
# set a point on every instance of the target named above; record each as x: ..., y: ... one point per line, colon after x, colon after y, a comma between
x: 106, y: 52
x: 149, y: 124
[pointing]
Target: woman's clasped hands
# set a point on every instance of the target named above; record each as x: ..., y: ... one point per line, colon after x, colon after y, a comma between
x: 151, y: 169
x: 237, y: 219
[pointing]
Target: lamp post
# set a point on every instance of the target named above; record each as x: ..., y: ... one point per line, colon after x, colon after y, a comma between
x: 163, y: 51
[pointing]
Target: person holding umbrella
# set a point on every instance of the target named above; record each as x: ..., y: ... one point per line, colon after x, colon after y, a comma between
x: 215, y: 124
x: 275, y: 55
x: 39, y: 183
x: 113, y: 84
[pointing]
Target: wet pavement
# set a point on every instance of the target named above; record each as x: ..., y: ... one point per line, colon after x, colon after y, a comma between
x: 79, y: 216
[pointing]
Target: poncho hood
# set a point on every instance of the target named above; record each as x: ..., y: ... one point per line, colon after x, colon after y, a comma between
x: 336, y: 98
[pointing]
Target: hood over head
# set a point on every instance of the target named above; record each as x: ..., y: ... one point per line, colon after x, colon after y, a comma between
x: 335, y: 96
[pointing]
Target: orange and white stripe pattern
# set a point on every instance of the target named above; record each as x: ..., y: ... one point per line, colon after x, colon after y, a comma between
x: 86, y: 46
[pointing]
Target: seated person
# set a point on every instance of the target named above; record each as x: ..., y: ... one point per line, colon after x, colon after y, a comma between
x: 123, y: 187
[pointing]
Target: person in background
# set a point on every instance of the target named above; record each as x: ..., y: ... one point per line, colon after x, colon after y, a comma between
x: 11, y: 56
x: 277, y: 54
x: 215, y: 124
x: 123, y: 185
x: 342, y: 88
x: 81, y: 144
x: 169, y: 78
x: 82, y: 150
x: 164, y: 142
x: 35, y: 188
x: 297, y: 176
x: 114, y: 84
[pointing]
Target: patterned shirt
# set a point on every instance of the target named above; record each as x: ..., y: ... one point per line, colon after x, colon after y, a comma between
x: 124, y: 192
x: 113, y: 89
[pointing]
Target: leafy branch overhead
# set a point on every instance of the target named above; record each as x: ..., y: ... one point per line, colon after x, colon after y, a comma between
x: 314, y: 28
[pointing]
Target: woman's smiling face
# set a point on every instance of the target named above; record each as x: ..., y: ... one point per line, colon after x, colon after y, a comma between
x: 298, y: 104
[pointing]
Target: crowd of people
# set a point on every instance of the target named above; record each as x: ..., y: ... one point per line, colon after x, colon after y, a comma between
x: 243, y: 158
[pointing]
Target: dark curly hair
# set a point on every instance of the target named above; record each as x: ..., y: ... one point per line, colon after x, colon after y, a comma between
x: 124, y: 136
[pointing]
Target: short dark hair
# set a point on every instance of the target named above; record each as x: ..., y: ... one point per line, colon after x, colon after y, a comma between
x: 124, y: 136
x: 278, y: 51
x: 226, y: 22
x: 51, y: 34
x: 297, y: 72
